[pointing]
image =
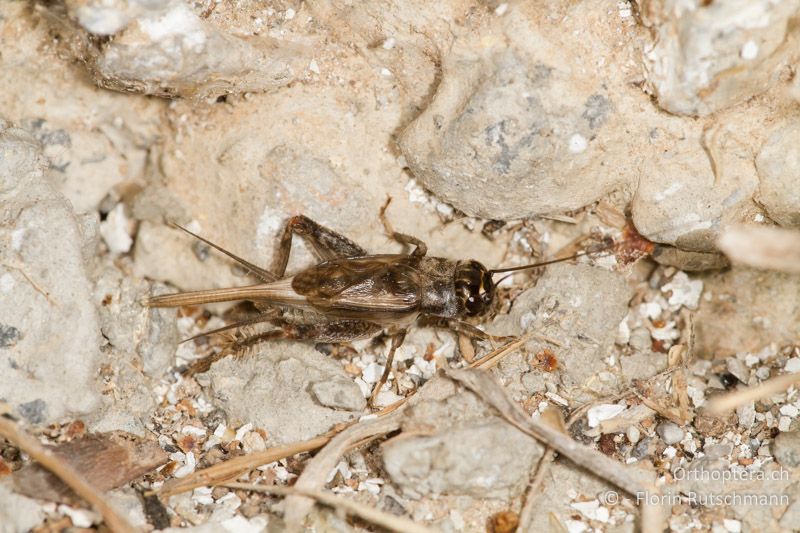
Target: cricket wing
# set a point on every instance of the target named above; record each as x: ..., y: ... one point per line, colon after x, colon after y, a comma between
x: 279, y: 293
x: 370, y: 287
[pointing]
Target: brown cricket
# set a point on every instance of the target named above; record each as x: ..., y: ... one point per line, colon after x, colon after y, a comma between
x: 351, y: 294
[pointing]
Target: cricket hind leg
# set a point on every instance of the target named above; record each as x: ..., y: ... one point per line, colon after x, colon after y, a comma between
x: 264, y: 316
x: 327, y: 244
x: 237, y: 347
x: 244, y: 342
x: 421, y: 248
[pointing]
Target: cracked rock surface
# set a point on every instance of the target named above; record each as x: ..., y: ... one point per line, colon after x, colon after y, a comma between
x: 50, y: 331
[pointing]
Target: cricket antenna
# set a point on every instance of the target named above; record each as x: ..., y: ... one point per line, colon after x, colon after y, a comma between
x: 553, y: 261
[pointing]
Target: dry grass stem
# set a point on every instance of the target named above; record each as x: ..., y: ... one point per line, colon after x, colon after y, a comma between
x: 740, y: 397
x: 232, y: 468
x: 770, y: 248
x: 317, y: 469
x: 370, y: 514
x: 602, y: 466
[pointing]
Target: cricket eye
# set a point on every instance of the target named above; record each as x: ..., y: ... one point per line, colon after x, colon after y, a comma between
x: 474, y: 287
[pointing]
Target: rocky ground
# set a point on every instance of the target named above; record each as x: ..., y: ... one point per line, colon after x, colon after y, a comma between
x: 505, y: 132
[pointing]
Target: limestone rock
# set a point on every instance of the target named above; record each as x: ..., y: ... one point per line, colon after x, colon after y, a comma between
x: 132, y: 328
x: 457, y: 446
x: 512, y: 133
x: 707, y: 56
x: 341, y: 394
x: 693, y: 188
x: 786, y: 449
x: 273, y: 389
x: 581, y: 307
x: 18, y: 513
x: 778, y: 165
x: 689, y: 261
x: 51, y: 360
x: 166, y: 48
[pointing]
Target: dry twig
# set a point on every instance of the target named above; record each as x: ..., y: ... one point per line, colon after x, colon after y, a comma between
x: 542, y: 466
x: 764, y: 247
x: 492, y: 359
x: 526, y: 515
x: 493, y: 394
x: 65, y: 472
x: 232, y: 468
x: 732, y: 400
x: 370, y: 514
x: 604, y: 467
x: 105, y: 460
x: 316, y: 471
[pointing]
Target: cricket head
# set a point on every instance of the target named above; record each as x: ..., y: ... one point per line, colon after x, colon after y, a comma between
x: 474, y: 287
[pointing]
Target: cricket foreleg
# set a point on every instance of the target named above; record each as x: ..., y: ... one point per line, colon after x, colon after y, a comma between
x: 421, y: 248
x: 327, y: 244
x: 397, y: 341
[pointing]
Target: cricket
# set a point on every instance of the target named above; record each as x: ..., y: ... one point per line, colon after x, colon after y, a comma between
x: 351, y: 294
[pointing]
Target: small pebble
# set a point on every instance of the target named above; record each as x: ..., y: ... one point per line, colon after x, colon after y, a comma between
x: 115, y: 231
x: 633, y: 434
x: 588, y: 509
x: 203, y: 495
x: 219, y: 492
x: 786, y: 449
x: 601, y: 412
x: 749, y: 50
x: 733, y: 526
x: 386, y: 398
x: 640, y: 339
x: 578, y: 143
x: 684, y: 291
x: 763, y: 373
x: 188, y: 466
x: 792, y: 365
x: 669, y: 432
x: 253, y: 442
x: 242, y: 431
x: 372, y: 373
x: 751, y: 360
x: 738, y: 369
x: 80, y: 517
